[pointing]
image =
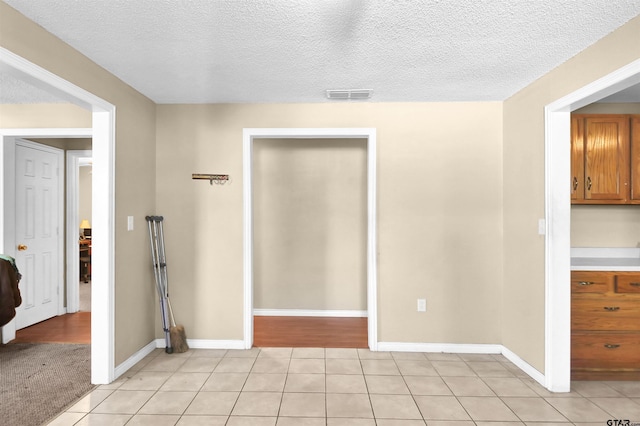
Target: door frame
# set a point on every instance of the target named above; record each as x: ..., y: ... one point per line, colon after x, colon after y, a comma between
x: 558, y: 218
x: 248, y: 136
x: 102, y: 133
x: 73, y: 161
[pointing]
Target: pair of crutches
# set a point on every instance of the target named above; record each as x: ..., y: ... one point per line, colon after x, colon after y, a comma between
x: 156, y: 237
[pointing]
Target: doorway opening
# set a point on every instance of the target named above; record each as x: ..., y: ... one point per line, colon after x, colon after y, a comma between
x: 249, y: 138
x: 558, y: 219
x: 103, y: 207
x: 310, y: 242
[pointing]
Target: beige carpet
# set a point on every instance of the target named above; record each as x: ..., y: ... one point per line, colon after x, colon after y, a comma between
x: 38, y: 381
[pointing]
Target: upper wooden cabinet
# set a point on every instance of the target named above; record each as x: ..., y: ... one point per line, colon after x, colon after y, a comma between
x: 601, y: 160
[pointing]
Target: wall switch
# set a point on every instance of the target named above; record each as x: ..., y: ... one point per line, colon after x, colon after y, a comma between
x: 422, y: 305
x: 542, y: 227
x: 129, y: 223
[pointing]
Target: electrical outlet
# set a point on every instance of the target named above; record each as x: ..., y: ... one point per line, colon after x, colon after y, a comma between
x: 422, y: 305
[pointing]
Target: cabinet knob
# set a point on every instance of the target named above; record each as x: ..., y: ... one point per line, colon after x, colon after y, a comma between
x: 611, y: 346
x: 611, y: 308
x: 586, y: 283
x: 589, y: 183
x: 575, y: 183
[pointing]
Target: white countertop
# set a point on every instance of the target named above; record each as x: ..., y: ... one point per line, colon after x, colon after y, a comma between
x: 605, y: 259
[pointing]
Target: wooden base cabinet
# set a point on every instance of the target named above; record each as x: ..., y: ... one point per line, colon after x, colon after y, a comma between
x: 605, y: 325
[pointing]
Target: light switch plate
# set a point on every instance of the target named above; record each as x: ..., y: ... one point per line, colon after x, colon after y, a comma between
x: 129, y: 223
x: 422, y: 305
x: 542, y: 227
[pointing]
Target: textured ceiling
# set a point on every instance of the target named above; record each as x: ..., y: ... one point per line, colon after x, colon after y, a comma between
x: 16, y: 91
x: 211, y: 51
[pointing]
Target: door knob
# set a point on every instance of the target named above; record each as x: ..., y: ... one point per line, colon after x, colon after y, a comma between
x: 22, y: 247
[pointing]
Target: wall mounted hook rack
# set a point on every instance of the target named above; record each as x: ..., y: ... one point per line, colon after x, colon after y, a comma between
x: 217, y: 179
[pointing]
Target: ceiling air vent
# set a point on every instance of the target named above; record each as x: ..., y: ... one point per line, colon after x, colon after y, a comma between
x: 355, y: 94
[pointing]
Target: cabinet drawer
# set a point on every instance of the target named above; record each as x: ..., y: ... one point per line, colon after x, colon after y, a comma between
x: 605, y: 350
x: 606, y: 313
x: 628, y: 284
x: 591, y: 282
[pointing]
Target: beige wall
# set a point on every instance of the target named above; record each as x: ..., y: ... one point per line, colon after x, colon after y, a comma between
x: 610, y: 108
x: 134, y: 167
x: 605, y: 226
x: 43, y: 116
x: 66, y: 143
x: 439, y: 212
x: 310, y: 224
x: 524, y: 291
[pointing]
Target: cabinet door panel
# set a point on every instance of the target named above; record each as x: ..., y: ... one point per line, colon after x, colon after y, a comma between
x: 577, y: 158
x: 606, y: 158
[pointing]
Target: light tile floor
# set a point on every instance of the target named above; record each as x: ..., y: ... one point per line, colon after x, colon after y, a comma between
x: 343, y: 387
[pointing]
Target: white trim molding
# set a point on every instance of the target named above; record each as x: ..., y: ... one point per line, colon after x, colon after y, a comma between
x: 557, y: 377
x: 135, y: 358
x: 74, y: 158
x: 207, y: 344
x: 309, y: 313
x: 453, y: 348
x: 248, y: 136
x: 524, y: 366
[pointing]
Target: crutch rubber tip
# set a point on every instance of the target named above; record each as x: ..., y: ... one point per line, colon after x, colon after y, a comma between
x: 168, y: 350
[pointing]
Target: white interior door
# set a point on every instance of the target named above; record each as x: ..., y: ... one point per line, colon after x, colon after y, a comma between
x: 37, y: 231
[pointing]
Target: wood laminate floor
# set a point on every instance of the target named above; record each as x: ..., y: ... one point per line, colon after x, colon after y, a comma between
x: 310, y: 332
x: 69, y: 328
x: 318, y: 332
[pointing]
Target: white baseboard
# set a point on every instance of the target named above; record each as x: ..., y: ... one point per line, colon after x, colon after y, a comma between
x: 455, y: 348
x: 524, y: 366
x: 134, y: 359
x: 309, y: 313
x: 207, y: 344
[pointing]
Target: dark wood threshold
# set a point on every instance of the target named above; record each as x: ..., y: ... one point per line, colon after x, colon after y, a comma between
x: 310, y: 332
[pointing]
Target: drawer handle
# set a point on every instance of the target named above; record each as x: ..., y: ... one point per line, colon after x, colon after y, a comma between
x: 634, y: 284
x: 588, y: 283
x: 610, y: 346
x: 575, y: 183
x: 612, y: 308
